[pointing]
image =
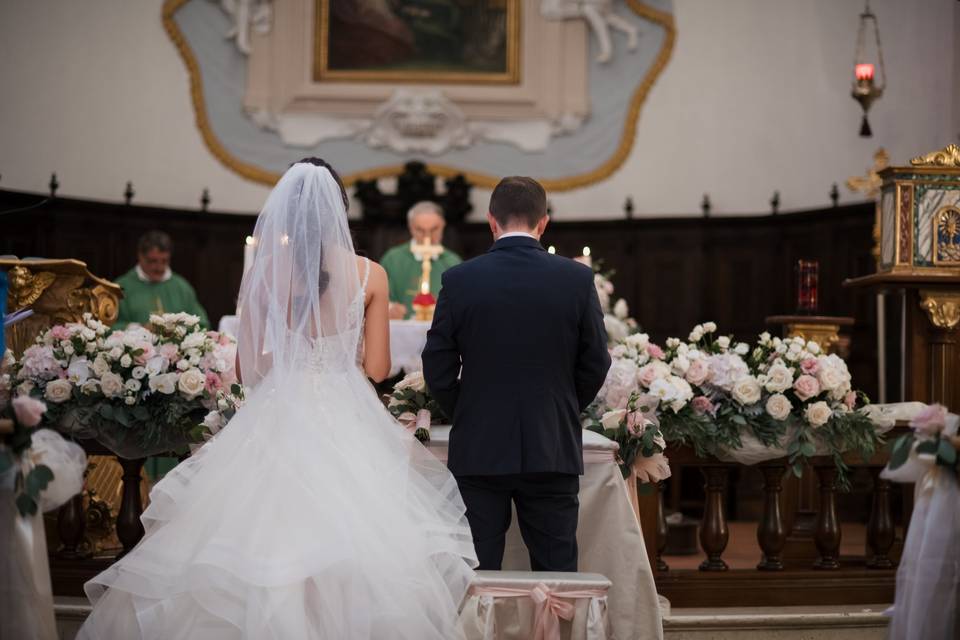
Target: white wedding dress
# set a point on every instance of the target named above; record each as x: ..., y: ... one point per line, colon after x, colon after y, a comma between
x: 312, y: 514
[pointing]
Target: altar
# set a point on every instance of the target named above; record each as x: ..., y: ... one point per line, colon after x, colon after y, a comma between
x: 609, y: 538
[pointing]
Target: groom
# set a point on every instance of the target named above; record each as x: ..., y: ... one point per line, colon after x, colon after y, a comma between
x: 516, y: 351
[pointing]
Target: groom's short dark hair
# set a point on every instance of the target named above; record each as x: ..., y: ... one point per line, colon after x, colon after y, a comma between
x: 518, y: 199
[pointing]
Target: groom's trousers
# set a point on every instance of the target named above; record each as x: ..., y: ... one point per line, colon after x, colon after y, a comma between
x: 547, y: 509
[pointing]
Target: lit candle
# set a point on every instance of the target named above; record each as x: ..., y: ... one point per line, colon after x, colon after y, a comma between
x: 586, y: 259
x: 249, y: 250
x: 863, y: 71
x: 552, y: 249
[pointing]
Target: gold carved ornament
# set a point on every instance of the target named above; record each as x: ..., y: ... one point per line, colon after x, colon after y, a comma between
x: 949, y: 156
x: 943, y: 309
x: 269, y: 178
x: 57, y: 291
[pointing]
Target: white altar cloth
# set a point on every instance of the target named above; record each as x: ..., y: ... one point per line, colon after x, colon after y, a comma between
x: 608, y: 535
x: 407, y: 340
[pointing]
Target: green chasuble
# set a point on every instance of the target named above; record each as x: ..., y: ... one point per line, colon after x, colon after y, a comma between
x: 404, y: 272
x: 142, y: 298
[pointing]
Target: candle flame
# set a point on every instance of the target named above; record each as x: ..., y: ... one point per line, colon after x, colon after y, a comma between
x: 586, y: 252
x: 552, y: 249
x: 863, y: 71
x: 251, y: 241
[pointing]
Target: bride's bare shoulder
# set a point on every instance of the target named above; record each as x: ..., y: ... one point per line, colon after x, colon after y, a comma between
x: 378, y: 275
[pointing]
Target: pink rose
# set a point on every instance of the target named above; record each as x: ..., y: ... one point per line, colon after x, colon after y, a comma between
x: 28, y: 410
x: 170, y: 352
x: 655, y: 352
x: 636, y: 423
x: 148, y: 352
x: 931, y: 420
x: 697, y: 372
x: 646, y: 375
x: 60, y: 332
x: 850, y: 399
x: 806, y: 387
x: 810, y: 366
x: 213, y: 382
x: 702, y: 405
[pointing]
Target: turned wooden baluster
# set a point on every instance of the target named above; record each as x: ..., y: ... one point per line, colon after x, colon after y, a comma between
x: 713, y: 529
x: 827, y: 534
x: 880, y: 529
x: 662, y: 530
x: 129, y: 527
x: 71, y: 522
x: 771, y: 534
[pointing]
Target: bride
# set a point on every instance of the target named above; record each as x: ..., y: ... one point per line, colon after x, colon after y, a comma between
x: 312, y: 514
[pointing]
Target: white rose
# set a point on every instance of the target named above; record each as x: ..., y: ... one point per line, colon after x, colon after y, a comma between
x: 88, y: 334
x: 139, y: 373
x: 193, y: 341
x: 818, y: 414
x: 131, y: 400
x: 156, y: 365
x: 765, y: 337
x: 779, y: 406
x: 680, y: 365
x: 638, y: 341
x: 68, y: 349
x: 111, y: 384
x: 183, y: 365
x: 723, y: 342
x: 165, y: 383
x: 779, y: 378
x: 696, y: 335
x: 191, y: 383
x: 90, y: 387
x: 813, y: 347
x: 126, y: 360
x: 132, y: 385
x: 672, y: 343
x: 611, y: 419
x: 616, y: 329
x: 58, y: 391
x: 683, y: 393
x: 709, y: 327
x: 742, y: 349
x: 746, y: 390
x: 829, y: 378
x: 116, y: 352
x: 620, y: 309
x: 91, y: 347
x: 664, y: 390
x: 412, y: 381
x: 78, y: 371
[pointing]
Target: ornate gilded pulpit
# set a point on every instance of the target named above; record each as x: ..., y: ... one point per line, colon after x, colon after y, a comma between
x: 919, y: 261
x: 57, y: 291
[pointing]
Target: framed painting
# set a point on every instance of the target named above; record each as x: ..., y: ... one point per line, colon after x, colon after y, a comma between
x: 435, y: 41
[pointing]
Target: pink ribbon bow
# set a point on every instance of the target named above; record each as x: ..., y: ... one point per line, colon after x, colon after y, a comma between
x: 550, y: 605
x: 413, y: 421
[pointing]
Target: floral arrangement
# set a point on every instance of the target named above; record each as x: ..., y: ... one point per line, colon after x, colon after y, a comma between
x: 19, y: 418
x: 616, y: 314
x: 412, y: 405
x: 780, y: 397
x: 139, y: 392
x: 928, y: 439
x: 636, y: 430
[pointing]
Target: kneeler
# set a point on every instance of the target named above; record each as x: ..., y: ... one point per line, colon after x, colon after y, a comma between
x: 528, y: 605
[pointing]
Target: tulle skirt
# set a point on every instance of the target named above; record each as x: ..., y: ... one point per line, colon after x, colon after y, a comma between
x: 928, y: 579
x: 311, y: 515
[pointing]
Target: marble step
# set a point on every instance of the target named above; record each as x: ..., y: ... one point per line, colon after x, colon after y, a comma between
x: 747, y: 623
x: 847, y: 622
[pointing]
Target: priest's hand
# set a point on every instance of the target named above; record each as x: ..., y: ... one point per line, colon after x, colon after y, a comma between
x: 397, y: 311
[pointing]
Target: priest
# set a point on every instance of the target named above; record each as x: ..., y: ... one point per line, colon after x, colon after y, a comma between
x: 404, y: 263
x: 151, y: 287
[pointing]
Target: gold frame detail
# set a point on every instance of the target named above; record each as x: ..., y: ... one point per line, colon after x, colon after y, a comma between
x: 320, y: 62
x: 935, y: 249
x: 949, y: 156
x: 605, y: 170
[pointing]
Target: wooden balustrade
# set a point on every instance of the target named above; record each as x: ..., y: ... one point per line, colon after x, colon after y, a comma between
x: 829, y: 579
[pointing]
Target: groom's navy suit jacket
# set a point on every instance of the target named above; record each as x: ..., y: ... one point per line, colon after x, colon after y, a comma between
x: 527, y: 330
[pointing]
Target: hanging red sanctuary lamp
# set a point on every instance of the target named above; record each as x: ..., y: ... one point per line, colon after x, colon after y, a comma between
x: 866, y: 89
